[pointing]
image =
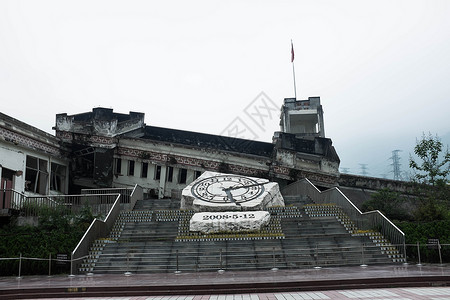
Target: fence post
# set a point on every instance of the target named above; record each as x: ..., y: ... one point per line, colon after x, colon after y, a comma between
x: 404, y: 250
x: 418, y: 253
x: 178, y: 270
x: 20, y: 266
x: 220, y: 260
x: 317, y: 258
x: 49, y: 264
x: 363, y: 258
x: 274, y: 268
x: 128, y: 273
x: 71, y: 265
x: 440, y: 256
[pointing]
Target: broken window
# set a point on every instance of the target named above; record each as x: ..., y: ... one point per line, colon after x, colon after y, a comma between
x: 144, y: 170
x: 58, y: 178
x: 131, y: 168
x: 169, y: 174
x: 182, y: 176
x: 36, y: 175
x: 158, y: 173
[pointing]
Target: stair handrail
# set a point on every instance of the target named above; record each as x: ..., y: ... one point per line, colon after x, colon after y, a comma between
x: 136, y: 194
x: 365, y: 221
x: 99, y: 228
x: 96, y: 230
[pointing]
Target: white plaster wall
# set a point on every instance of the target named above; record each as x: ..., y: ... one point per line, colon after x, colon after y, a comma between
x: 149, y: 182
x: 174, y: 150
x: 205, y: 154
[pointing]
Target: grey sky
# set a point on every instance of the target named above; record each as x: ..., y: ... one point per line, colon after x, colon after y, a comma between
x: 380, y: 67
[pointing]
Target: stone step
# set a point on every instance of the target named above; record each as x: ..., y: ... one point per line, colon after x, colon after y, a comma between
x: 147, y: 242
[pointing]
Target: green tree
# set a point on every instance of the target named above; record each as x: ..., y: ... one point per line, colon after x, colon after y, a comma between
x: 431, y: 179
x: 432, y: 169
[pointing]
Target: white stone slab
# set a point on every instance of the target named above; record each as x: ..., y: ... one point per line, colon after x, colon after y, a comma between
x: 214, y: 191
x: 213, y: 222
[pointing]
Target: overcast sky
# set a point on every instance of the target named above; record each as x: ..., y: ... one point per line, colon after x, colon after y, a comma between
x: 381, y: 68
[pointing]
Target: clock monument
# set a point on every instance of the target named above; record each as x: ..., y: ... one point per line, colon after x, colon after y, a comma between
x: 229, y: 202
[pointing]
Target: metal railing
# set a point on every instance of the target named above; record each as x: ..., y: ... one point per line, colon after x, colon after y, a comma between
x: 106, y: 202
x: 96, y: 230
x: 32, y: 206
x: 99, y: 228
x: 365, y: 221
x: 125, y: 192
x: 129, y: 196
x: 11, y: 199
x: 220, y: 259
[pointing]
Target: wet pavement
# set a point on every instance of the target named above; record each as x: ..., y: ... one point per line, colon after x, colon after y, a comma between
x: 262, y: 284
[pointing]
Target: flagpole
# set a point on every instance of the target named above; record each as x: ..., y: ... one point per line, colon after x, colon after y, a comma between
x: 293, y: 69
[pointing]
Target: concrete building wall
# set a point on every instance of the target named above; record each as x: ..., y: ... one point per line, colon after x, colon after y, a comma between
x: 19, y: 141
x: 302, y: 117
x: 190, y: 160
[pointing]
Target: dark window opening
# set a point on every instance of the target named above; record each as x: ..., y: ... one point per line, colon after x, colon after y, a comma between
x: 197, y: 174
x: 83, y: 162
x: 144, y: 170
x: 131, y: 168
x: 58, y: 178
x: 169, y: 174
x: 158, y: 173
x: 182, y: 176
x: 118, y: 166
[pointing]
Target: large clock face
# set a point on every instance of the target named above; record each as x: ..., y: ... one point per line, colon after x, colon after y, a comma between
x: 213, y: 189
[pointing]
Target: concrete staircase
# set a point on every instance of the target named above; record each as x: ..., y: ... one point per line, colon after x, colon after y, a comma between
x: 154, y: 237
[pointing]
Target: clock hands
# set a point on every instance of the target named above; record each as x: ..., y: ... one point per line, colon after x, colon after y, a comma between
x: 236, y: 187
x: 230, y: 196
x: 228, y: 188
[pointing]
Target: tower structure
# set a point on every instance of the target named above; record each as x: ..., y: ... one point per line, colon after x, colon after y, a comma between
x: 304, y: 118
x: 396, y: 164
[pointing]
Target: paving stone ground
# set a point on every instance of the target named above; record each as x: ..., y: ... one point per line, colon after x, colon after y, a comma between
x: 439, y: 290
x: 439, y: 293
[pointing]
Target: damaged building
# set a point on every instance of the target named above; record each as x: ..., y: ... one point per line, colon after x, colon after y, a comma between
x: 120, y: 150
x: 32, y: 162
x: 103, y: 148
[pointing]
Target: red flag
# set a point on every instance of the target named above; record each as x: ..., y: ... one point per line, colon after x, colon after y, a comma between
x: 292, y: 52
